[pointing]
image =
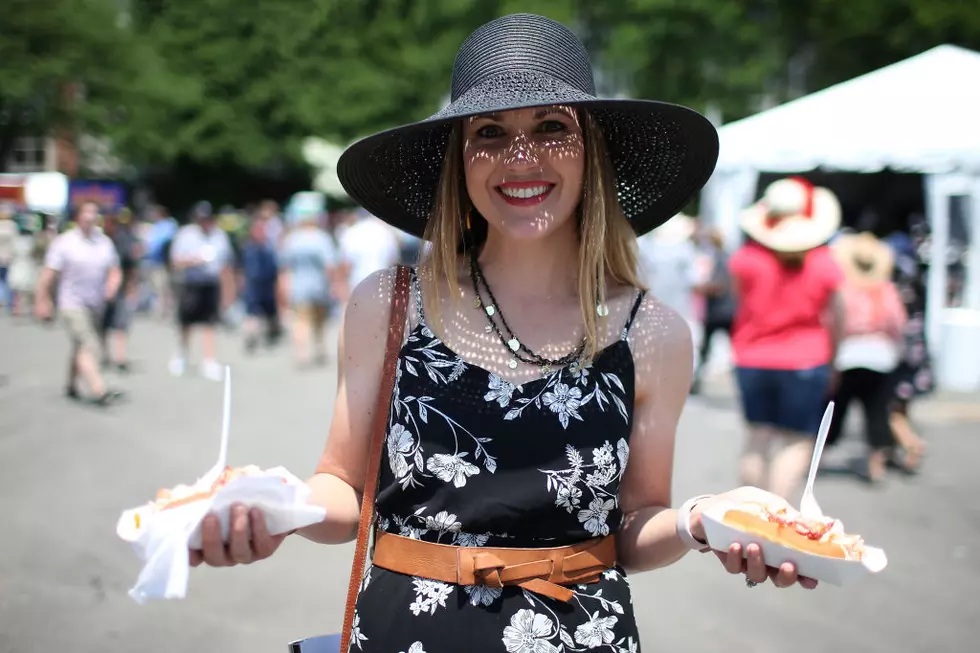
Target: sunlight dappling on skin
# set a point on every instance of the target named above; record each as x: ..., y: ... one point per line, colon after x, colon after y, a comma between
x: 543, y: 147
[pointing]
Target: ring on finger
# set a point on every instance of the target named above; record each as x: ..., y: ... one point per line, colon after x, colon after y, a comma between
x: 751, y: 583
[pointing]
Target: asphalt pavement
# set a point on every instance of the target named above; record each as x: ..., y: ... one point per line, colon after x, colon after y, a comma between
x: 67, y: 471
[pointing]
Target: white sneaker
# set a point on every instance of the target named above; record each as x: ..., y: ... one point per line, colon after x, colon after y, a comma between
x: 178, y: 366
x: 212, y: 371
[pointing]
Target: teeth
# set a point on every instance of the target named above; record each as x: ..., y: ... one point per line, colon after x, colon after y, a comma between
x: 524, y: 193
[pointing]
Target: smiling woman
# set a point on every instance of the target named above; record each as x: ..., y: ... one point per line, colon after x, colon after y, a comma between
x: 528, y: 440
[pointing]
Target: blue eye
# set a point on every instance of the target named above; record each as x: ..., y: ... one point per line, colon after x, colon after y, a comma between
x: 489, y: 131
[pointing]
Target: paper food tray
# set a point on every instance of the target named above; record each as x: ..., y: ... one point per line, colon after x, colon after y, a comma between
x: 280, y: 495
x: 835, y: 571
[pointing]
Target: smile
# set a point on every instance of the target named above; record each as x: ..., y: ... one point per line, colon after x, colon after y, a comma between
x: 525, y: 193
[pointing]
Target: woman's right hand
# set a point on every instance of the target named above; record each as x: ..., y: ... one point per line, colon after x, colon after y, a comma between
x: 248, y: 540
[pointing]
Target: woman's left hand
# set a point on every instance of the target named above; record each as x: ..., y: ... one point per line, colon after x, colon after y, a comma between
x: 751, y: 562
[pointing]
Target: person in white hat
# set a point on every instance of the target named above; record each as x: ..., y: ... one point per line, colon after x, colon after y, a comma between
x: 786, y: 328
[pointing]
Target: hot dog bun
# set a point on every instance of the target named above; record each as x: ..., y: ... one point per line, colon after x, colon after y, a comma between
x: 789, y: 528
x: 182, y: 495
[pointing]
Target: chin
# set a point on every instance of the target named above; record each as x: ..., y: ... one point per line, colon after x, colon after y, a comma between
x: 530, y: 227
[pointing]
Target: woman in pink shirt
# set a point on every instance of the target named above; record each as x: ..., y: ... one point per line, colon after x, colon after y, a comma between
x: 786, y: 329
x: 871, y: 350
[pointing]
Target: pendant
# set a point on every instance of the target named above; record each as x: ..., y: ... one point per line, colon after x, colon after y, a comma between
x: 490, y: 310
x: 601, y: 310
x: 514, y: 344
x: 512, y: 364
x: 488, y: 328
x: 477, y: 303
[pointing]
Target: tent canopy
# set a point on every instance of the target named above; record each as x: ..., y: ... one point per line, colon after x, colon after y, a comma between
x: 918, y: 115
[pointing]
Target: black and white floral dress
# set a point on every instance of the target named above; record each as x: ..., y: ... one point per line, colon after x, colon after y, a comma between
x: 473, y: 460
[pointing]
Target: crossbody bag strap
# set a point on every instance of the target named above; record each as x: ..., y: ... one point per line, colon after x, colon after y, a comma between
x: 396, y: 331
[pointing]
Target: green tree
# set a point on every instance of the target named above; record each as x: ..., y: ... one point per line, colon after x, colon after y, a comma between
x: 67, y: 66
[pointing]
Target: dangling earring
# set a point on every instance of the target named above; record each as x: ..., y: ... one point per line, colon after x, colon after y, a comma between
x: 601, y: 308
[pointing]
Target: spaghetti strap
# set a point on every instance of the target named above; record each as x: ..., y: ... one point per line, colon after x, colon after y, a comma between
x: 417, y: 293
x: 633, y: 312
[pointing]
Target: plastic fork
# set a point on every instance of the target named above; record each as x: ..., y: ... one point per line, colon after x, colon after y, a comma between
x: 809, y: 507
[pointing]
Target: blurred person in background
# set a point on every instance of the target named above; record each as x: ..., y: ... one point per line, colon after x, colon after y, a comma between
x: 25, y: 263
x: 158, y: 238
x: 719, y: 310
x: 118, y: 315
x: 84, y: 263
x: 272, y: 224
x: 869, y: 353
x: 668, y: 263
x: 260, y: 271
x: 366, y: 245
x: 913, y: 377
x: 201, y: 258
x: 311, y: 282
x: 787, y: 327
x: 8, y: 235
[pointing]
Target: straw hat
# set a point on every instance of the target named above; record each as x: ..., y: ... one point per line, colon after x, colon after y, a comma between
x: 792, y: 216
x: 864, y: 258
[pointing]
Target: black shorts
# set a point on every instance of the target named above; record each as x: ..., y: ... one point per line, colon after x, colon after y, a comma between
x: 199, y: 304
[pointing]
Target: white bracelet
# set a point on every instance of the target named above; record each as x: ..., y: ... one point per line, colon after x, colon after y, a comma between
x: 684, y: 525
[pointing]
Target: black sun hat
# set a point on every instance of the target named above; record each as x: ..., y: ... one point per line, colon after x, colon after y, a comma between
x: 661, y: 153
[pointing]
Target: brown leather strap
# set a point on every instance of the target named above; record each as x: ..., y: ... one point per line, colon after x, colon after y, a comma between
x: 542, y: 571
x: 396, y: 330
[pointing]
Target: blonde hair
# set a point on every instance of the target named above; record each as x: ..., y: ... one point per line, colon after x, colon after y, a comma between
x: 607, y: 242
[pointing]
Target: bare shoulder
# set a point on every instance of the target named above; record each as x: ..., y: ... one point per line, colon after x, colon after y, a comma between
x: 662, y: 345
x: 366, y: 313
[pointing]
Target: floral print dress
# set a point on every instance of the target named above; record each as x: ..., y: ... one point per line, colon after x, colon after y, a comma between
x: 474, y: 460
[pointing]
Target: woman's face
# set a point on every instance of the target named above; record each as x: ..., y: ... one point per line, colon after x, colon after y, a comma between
x: 524, y: 168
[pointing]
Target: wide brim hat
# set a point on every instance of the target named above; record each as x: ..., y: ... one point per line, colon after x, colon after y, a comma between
x: 864, y: 258
x: 793, y: 216
x: 661, y: 153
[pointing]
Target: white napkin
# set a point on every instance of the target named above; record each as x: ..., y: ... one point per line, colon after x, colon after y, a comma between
x: 162, y: 538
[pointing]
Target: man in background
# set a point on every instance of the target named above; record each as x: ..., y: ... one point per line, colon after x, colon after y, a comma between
x: 86, y: 266
x: 201, y: 259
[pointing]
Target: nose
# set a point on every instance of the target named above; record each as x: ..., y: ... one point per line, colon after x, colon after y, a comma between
x: 520, y: 153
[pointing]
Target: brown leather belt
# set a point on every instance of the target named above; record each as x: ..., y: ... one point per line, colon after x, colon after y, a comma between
x: 542, y: 571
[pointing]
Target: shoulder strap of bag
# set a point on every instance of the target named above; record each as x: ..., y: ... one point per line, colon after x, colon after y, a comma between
x: 396, y: 330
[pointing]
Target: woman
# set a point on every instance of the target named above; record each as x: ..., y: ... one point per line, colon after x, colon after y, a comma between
x: 871, y: 349
x: 786, y: 329
x: 26, y: 260
x: 310, y: 278
x: 534, y: 368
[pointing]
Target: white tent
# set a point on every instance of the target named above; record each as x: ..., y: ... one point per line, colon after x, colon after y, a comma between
x: 919, y: 115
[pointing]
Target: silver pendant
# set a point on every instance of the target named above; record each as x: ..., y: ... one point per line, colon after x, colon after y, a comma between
x: 512, y: 364
x: 490, y: 310
x: 514, y: 344
x: 601, y: 310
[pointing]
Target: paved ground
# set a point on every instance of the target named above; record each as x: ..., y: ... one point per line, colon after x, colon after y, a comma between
x: 67, y: 471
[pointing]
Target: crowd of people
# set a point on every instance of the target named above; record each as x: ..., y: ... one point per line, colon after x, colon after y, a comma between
x: 257, y: 269
x: 814, y: 312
